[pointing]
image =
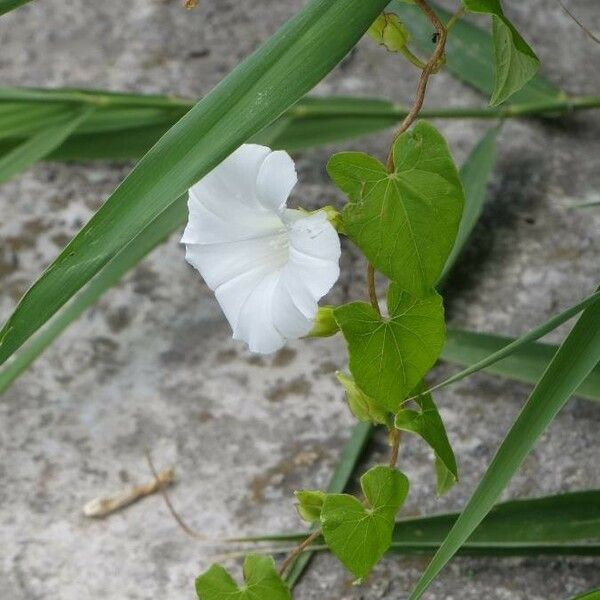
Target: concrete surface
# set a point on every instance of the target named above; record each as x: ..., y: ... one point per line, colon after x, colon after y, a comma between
x: 153, y: 365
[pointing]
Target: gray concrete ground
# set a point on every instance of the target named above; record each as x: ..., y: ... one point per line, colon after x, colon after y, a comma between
x: 153, y: 363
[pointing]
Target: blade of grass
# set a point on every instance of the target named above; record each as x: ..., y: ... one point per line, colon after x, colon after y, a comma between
x: 8, y: 5
x: 475, y: 174
x: 518, y: 359
x: 40, y: 144
x: 469, y: 53
x: 564, y: 523
x: 575, y: 359
x: 259, y: 90
x: 591, y: 595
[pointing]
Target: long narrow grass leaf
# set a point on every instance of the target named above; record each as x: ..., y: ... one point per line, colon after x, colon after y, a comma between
x: 575, y: 359
x: 564, y: 523
x: 8, y: 5
x: 271, y: 80
x: 40, y: 144
x: 528, y: 360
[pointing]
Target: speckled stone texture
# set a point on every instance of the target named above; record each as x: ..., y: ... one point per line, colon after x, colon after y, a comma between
x: 153, y: 365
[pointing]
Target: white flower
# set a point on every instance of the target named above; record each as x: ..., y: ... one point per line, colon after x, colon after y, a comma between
x: 268, y: 265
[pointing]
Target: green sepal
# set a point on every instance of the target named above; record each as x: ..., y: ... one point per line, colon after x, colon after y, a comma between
x: 389, y: 31
x: 310, y: 503
x: 365, y: 409
x: 325, y: 324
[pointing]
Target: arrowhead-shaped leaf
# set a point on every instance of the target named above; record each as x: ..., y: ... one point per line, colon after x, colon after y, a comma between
x: 516, y: 62
x: 390, y: 356
x: 359, y: 536
x: 429, y: 425
x: 260, y: 576
x: 405, y: 221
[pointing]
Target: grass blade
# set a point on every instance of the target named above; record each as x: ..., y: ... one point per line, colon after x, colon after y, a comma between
x: 517, y: 359
x: 561, y: 524
x: 469, y: 53
x: 575, y: 359
x: 40, y: 144
x: 591, y: 595
x: 475, y: 175
x: 8, y: 5
x: 271, y: 80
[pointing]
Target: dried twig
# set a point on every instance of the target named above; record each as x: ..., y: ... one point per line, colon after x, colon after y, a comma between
x: 104, y: 506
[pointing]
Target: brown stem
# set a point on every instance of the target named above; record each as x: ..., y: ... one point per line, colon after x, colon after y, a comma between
x: 395, y: 436
x: 291, y: 557
x: 430, y: 68
x: 371, y: 288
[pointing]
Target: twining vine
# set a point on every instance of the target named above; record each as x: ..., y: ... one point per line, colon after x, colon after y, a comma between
x: 404, y: 216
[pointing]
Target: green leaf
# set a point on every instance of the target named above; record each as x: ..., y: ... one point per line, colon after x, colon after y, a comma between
x: 276, y: 76
x: 517, y: 359
x: 310, y: 504
x: 429, y: 425
x: 475, y: 174
x: 390, y: 356
x: 8, y: 5
x: 516, y: 62
x: 591, y: 595
x: 360, y: 536
x: 260, y: 576
x: 470, y: 54
x: 406, y: 221
x: 362, y: 407
x: 40, y: 144
x: 575, y: 359
x: 350, y: 455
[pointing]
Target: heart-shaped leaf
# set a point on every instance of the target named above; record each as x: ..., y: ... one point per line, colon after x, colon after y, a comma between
x: 429, y: 425
x: 360, y: 535
x: 516, y: 62
x: 405, y: 221
x: 390, y: 356
x: 260, y: 576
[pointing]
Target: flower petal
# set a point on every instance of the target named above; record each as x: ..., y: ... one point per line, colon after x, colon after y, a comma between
x: 219, y: 263
x: 276, y: 178
x: 255, y: 323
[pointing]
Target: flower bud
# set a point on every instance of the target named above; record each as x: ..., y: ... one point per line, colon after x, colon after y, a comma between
x: 325, y: 324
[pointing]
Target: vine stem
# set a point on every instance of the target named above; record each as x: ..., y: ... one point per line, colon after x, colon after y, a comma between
x: 371, y: 288
x: 291, y: 557
x: 430, y: 68
x: 395, y: 437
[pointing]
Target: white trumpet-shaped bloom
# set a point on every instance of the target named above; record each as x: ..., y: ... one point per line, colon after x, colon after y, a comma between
x: 267, y: 264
